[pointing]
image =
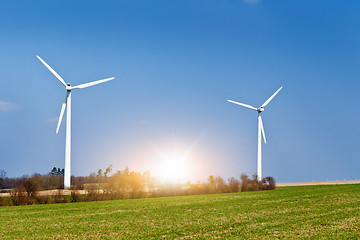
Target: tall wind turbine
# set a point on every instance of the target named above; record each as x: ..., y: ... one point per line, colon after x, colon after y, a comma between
x: 260, y: 128
x: 68, y: 118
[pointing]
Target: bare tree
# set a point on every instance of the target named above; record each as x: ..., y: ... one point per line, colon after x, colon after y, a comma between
x: 2, y: 178
x: 234, y: 184
x: 108, y: 170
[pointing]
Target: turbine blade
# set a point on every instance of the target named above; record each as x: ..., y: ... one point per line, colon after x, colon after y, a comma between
x: 52, y: 70
x: 92, y: 83
x: 244, y: 105
x: 267, y: 101
x: 61, y: 113
x: 262, y: 129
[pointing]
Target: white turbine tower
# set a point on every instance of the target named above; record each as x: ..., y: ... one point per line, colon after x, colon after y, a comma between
x: 68, y: 118
x: 260, y: 128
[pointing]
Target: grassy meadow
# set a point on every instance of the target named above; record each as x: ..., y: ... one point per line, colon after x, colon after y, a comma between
x: 287, y: 212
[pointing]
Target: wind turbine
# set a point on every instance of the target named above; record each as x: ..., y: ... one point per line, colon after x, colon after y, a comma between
x: 260, y: 128
x: 68, y: 118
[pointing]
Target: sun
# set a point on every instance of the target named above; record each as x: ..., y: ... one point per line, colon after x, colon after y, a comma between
x: 172, y: 168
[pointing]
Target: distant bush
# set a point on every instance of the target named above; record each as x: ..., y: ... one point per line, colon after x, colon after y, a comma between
x: 59, y: 198
x: 93, y: 192
x: 31, y: 187
x: 269, y: 183
x: 75, y: 197
x: 247, y: 184
x: 234, y: 184
x: 18, y: 196
x: 6, y: 201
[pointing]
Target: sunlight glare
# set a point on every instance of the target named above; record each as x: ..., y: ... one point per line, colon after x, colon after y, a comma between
x: 173, y: 169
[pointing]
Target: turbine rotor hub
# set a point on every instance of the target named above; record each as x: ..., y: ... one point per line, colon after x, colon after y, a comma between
x: 261, y: 109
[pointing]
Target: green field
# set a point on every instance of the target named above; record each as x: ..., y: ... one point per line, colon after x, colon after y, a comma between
x: 288, y: 212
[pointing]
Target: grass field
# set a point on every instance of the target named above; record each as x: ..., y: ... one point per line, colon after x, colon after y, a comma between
x: 288, y: 212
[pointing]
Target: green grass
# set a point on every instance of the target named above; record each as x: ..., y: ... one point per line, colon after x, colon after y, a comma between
x: 288, y: 212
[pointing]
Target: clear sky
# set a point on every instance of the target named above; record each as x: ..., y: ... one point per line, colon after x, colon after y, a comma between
x: 176, y: 63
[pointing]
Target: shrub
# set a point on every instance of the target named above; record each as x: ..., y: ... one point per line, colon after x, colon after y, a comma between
x: 93, y: 193
x: 59, y: 198
x: 269, y: 183
x: 75, y: 197
x: 5, y: 201
x: 247, y: 184
x: 18, y: 196
x: 234, y: 184
x: 31, y: 187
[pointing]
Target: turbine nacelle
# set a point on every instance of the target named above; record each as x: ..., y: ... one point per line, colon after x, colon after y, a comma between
x: 260, y: 109
x: 68, y: 87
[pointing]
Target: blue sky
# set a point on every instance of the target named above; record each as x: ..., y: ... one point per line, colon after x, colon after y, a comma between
x: 175, y: 64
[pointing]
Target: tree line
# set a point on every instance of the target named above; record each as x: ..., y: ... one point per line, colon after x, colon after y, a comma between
x: 125, y: 184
